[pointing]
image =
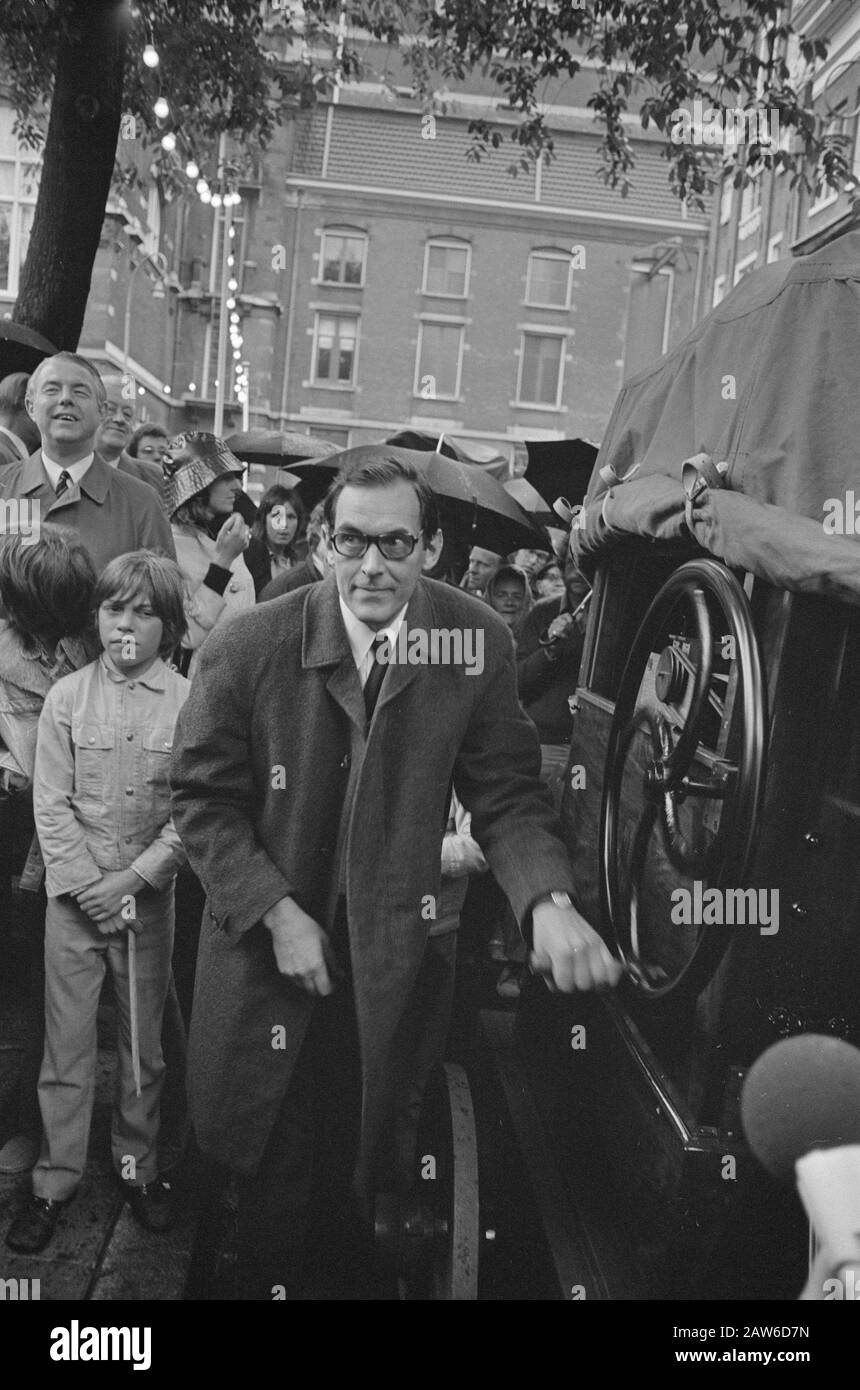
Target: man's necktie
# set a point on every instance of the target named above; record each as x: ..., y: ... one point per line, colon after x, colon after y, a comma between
x: 64, y: 482
x: 375, y: 678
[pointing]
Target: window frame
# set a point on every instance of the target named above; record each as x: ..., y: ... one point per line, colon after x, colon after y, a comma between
x: 448, y: 244
x: 17, y: 203
x: 549, y: 253
x: 541, y: 331
x: 437, y: 322
x: 353, y: 233
x: 745, y: 264
x: 827, y: 195
x: 329, y: 384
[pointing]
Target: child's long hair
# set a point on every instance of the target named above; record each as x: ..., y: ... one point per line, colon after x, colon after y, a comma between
x: 46, y: 586
x: 142, y: 572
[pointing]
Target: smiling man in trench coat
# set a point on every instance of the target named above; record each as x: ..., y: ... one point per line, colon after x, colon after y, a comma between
x: 316, y: 831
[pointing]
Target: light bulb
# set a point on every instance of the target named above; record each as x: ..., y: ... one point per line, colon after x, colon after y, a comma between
x: 167, y: 390
x: 150, y: 56
x: 192, y: 386
x: 206, y: 196
x: 141, y: 391
x: 191, y: 169
x: 232, y: 231
x: 231, y: 260
x: 234, y: 318
x: 232, y: 284
x: 231, y: 304
x: 216, y: 200
x: 168, y: 141
x: 201, y: 186
x: 161, y: 109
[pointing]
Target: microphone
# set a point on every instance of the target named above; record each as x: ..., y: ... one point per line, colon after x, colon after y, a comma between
x: 800, y: 1108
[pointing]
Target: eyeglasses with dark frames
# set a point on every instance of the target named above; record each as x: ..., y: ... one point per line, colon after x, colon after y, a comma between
x: 393, y: 545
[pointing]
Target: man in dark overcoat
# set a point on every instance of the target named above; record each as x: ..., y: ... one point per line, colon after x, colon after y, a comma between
x: 312, y: 802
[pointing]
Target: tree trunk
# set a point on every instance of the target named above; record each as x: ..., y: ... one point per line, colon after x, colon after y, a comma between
x: 78, y: 161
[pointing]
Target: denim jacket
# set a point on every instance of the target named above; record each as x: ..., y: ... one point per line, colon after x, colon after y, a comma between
x: 100, y: 796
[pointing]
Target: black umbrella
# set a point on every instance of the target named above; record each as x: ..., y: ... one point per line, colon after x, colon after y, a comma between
x: 560, y: 468
x: 441, y: 444
x: 474, y: 506
x: 21, y: 348
x: 278, y: 448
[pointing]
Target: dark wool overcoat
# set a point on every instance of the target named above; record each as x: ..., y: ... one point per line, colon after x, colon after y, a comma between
x: 259, y: 773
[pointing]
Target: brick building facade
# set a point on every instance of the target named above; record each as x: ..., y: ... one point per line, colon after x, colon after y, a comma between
x: 385, y: 280
x: 769, y: 220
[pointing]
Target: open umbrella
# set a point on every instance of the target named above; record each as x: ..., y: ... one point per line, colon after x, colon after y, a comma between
x: 560, y: 468
x: 480, y: 454
x: 531, y: 501
x: 278, y: 448
x: 21, y: 348
x: 474, y: 506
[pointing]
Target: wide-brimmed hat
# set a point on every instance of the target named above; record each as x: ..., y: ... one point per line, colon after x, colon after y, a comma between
x: 186, y: 478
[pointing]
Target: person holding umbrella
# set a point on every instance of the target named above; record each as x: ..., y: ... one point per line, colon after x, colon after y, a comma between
x: 203, y: 479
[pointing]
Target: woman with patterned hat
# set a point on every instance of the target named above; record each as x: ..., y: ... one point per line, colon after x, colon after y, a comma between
x: 202, y: 480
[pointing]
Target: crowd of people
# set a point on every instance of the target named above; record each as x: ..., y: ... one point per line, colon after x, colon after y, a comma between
x: 146, y: 742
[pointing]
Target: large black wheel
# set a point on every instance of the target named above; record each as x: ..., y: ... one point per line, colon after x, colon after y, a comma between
x: 684, y: 776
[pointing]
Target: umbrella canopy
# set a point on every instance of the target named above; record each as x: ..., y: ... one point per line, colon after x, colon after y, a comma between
x: 480, y: 454
x: 278, y: 448
x: 475, y: 508
x: 531, y: 501
x: 560, y: 468
x: 21, y: 348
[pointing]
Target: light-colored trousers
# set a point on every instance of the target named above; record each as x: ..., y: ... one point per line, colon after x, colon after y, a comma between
x: 76, y: 956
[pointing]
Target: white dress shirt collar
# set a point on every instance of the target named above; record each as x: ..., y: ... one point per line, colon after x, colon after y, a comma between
x: 75, y: 471
x: 361, y: 637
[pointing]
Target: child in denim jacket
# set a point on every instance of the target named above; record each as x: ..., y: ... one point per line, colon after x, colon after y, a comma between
x: 111, y: 852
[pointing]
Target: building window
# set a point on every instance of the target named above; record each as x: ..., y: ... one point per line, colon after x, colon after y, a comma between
x: 152, y: 239
x: 446, y: 269
x: 548, y: 280
x: 827, y: 194
x: 335, y: 343
x: 19, y: 185
x: 540, y: 374
x: 745, y: 267
x: 439, y: 361
x: 342, y: 258
x: 719, y: 290
x: 649, y: 315
x: 750, y: 214
x: 773, y: 248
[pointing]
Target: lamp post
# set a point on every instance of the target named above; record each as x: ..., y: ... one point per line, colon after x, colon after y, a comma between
x: 224, y: 316
x: 159, y: 261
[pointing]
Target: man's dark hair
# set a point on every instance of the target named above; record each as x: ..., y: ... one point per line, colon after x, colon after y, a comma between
x: 13, y: 393
x: 143, y: 574
x: 46, y: 588
x: 382, y: 471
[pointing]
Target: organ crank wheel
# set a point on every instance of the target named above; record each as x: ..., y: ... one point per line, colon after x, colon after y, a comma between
x: 684, y: 779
